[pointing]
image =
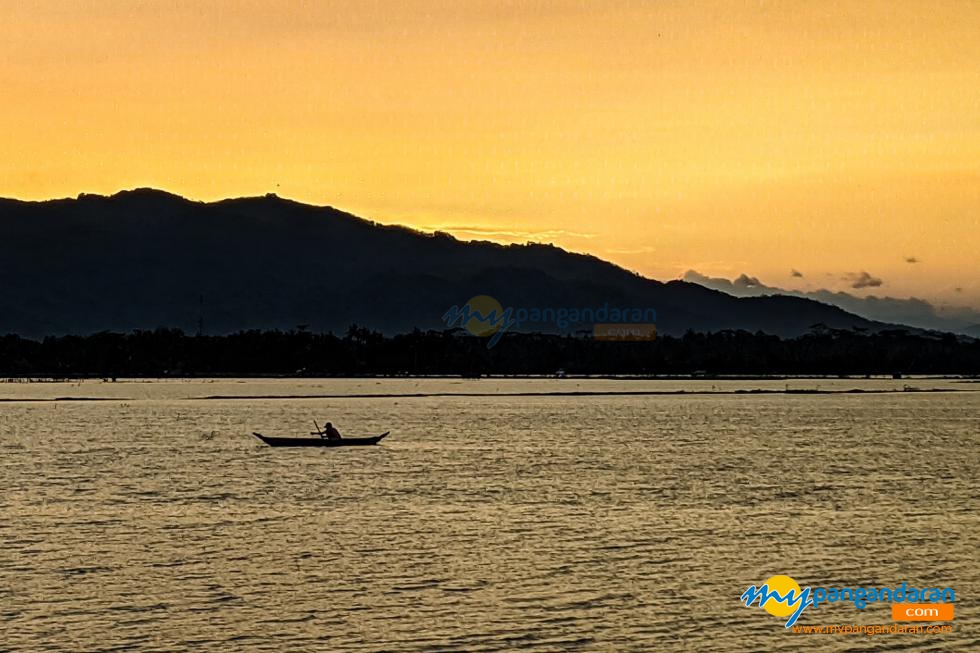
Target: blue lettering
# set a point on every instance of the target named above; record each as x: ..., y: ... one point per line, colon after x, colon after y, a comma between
x: 521, y: 316
x: 763, y: 594
x: 506, y: 321
x: 819, y: 594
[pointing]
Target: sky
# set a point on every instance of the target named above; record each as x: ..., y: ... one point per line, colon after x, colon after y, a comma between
x: 808, y: 144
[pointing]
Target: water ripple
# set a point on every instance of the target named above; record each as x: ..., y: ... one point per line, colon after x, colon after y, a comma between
x: 492, y: 523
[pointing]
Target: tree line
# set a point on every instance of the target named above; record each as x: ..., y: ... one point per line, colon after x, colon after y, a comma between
x: 361, y: 351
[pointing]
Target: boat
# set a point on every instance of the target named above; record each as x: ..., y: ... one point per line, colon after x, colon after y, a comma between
x: 320, y: 442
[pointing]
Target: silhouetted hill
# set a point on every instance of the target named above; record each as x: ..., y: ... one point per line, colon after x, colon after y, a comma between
x: 913, y: 312
x: 144, y: 259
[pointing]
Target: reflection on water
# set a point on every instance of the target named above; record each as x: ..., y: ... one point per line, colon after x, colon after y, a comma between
x: 599, y: 523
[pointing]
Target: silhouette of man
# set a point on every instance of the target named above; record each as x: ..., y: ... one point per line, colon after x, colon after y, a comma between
x: 330, y: 433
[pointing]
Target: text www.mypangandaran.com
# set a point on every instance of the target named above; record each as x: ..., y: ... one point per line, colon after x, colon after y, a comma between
x: 872, y: 630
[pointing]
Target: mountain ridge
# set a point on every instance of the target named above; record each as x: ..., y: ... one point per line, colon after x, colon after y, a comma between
x: 146, y: 258
x: 914, y: 312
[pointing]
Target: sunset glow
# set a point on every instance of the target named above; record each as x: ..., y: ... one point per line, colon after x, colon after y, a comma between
x: 755, y: 137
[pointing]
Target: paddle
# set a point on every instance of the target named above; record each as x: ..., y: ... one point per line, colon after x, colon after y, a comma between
x: 318, y: 431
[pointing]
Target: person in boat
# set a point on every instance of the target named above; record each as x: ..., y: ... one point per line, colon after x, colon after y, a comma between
x: 330, y: 433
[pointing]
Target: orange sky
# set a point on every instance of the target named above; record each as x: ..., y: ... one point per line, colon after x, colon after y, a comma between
x: 753, y: 137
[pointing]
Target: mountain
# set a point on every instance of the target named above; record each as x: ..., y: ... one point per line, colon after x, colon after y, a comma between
x: 144, y: 259
x: 912, y: 312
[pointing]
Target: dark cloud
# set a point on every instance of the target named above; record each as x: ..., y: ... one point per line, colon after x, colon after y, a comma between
x: 911, y: 259
x: 795, y: 273
x: 745, y: 281
x: 912, y: 311
x: 740, y: 286
x: 863, y: 280
x: 716, y: 283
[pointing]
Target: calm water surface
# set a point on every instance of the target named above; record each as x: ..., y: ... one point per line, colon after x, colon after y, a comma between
x: 154, y: 521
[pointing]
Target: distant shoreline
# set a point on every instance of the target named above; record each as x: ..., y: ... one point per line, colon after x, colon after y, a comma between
x: 740, y: 355
x: 570, y: 393
x: 956, y: 378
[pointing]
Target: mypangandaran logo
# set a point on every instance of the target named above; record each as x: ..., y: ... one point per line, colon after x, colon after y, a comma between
x: 781, y: 596
x: 484, y: 316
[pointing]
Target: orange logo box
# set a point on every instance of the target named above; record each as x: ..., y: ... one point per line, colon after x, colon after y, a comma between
x: 625, y: 332
x: 922, y: 611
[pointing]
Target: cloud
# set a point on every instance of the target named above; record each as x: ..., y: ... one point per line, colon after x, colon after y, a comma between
x: 742, y: 286
x: 745, y: 281
x: 912, y: 311
x: 862, y: 280
x: 911, y: 259
x: 716, y: 283
x: 483, y: 232
x: 747, y: 286
x: 795, y: 273
x: 636, y: 250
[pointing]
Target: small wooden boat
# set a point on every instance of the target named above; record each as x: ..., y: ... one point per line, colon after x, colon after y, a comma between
x: 320, y: 442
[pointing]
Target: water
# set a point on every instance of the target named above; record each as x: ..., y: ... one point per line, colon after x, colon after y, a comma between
x: 155, y: 521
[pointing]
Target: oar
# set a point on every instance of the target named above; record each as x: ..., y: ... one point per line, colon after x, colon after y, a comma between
x: 318, y: 431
